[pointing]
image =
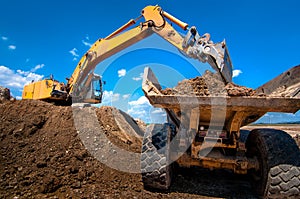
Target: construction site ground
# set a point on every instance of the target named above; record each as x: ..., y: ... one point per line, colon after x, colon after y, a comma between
x: 42, y: 156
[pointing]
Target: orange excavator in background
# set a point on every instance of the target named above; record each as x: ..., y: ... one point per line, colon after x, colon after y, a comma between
x: 85, y: 86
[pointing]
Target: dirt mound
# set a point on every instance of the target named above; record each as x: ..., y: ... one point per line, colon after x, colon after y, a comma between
x: 120, y: 128
x: 210, y: 84
x: 120, y: 124
x: 5, y: 95
x: 42, y: 155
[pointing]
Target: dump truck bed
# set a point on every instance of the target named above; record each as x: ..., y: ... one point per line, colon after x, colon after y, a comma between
x: 215, y: 108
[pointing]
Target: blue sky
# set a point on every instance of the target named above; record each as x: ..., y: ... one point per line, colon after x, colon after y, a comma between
x: 39, y: 38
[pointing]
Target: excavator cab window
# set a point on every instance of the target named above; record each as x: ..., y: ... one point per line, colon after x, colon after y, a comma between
x: 97, y: 87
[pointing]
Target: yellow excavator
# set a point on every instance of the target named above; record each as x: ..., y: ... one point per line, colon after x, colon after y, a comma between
x: 85, y: 86
x: 212, y: 139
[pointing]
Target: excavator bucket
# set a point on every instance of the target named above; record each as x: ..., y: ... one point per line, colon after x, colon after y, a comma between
x: 226, y: 67
x: 205, y: 50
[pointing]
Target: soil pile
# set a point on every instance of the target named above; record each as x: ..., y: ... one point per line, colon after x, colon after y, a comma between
x: 5, y: 95
x: 43, y: 156
x: 120, y: 126
x: 210, y: 84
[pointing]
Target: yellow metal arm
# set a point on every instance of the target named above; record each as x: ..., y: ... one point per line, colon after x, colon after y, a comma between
x: 104, y: 48
x: 192, y: 45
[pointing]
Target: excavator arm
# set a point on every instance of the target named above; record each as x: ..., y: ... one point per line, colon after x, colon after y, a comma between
x: 192, y: 45
x: 85, y: 86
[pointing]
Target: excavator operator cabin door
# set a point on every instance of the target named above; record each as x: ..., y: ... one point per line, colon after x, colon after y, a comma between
x: 97, y: 88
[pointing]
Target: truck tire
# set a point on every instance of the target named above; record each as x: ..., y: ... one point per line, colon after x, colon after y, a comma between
x: 279, y: 161
x: 156, y: 167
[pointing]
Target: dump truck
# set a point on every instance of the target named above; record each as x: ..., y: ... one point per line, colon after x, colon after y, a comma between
x: 201, y: 130
x: 205, y: 131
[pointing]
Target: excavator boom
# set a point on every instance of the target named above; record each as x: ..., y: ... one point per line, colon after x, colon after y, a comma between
x: 79, y: 85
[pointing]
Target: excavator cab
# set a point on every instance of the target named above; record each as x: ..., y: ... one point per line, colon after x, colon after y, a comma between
x: 90, y: 91
x: 96, y: 89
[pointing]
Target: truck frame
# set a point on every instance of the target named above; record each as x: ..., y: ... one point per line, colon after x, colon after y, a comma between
x: 205, y: 131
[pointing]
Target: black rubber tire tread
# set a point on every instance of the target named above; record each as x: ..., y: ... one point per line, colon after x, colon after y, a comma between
x: 155, y: 158
x: 279, y: 158
x: 284, y: 182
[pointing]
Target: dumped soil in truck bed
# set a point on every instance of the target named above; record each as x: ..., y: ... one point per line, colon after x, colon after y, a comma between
x: 210, y: 84
x: 42, y: 156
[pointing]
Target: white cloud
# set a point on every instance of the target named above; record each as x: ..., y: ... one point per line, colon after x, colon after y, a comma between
x: 16, y: 79
x: 138, y: 113
x: 158, y: 115
x: 37, y: 67
x: 86, y: 43
x: 140, y: 108
x: 21, y: 72
x: 140, y: 77
x: 116, y: 97
x: 29, y: 73
x: 12, y: 47
x: 142, y: 101
x: 74, y: 53
x: 109, y: 97
x: 4, y: 38
x: 126, y: 96
x: 158, y: 111
x: 236, y: 73
x: 121, y: 73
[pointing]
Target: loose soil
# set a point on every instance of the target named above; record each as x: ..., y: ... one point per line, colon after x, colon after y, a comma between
x: 5, y: 95
x: 42, y: 156
x: 210, y: 84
